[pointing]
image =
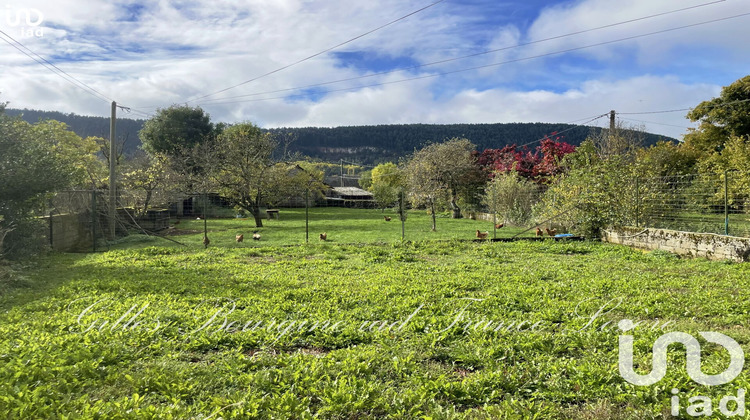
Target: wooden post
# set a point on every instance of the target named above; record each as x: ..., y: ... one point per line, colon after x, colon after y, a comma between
x: 112, y: 173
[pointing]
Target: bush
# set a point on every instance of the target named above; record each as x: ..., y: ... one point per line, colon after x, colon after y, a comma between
x: 511, y: 197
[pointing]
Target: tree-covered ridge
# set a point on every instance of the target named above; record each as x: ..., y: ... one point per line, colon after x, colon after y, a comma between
x: 364, y: 144
x: 380, y: 143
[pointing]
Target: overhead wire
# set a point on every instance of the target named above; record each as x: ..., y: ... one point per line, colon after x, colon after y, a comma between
x: 685, y: 109
x: 577, y: 126
x: 655, y: 123
x: 319, y: 53
x: 598, y: 44
x: 52, y: 67
x: 469, y: 55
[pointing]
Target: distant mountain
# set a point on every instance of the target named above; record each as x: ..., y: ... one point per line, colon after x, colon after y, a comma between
x: 362, y: 144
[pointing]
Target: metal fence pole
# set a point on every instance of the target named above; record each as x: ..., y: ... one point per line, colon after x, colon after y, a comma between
x: 726, y: 203
x: 637, y: 203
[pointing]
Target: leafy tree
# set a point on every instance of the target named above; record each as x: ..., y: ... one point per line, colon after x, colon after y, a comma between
x: 386, y: 182
x: 80, y: 154
x: 538, y: 165
x: 591, y: 194
x: 30, y: 168
x: 241, y: 164
x: 666, y: 159
x: 365, y: 180
x: 439, y: 172
x: 147, y: 176
x: 175, y: 129
x: 721, y: 118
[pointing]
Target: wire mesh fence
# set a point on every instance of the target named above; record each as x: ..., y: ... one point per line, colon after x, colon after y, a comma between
x: 76, y: 220
x: 704, y: 203
x: 79, y: 220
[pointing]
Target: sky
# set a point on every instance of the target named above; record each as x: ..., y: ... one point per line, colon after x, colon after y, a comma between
x: 288, y: 63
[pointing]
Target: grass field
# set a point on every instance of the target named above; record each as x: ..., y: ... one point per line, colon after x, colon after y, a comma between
x: 342, y: 225
x: 360, y: 327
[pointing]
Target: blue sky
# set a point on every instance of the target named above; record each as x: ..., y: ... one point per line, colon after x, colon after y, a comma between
x: 148, y: 55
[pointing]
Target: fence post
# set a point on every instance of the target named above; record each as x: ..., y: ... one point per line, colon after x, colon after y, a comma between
x: 637, y: 203
x: 726, y: 203
x: 51, y: 231
x: 307, y: 215
x: 402, y: 214
x: 494, y: 214
x: 93, y: 220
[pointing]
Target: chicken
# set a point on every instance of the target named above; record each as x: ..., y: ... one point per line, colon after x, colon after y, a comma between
x: 256, y: 236
x: 387, y: 218
x: 539, y: 232
x: 482, y: 235
x: 323, y: 236
x: 206, y: 241
x: 500, y: 225
x: 551, y: 232
x: 239, y: 238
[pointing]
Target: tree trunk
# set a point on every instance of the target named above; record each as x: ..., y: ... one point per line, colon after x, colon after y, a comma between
x: 146, y: 202
x: 455, y: 208
x: 432, y: 210
x: 257, y: 216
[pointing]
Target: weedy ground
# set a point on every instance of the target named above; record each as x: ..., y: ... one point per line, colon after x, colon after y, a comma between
x: 348, y: 329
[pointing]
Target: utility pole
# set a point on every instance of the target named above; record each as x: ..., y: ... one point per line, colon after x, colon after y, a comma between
x: 112, y: 174
x: 342, y: 172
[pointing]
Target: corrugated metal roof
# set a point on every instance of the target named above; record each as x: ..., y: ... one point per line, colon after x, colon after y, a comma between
x: 352, y: 192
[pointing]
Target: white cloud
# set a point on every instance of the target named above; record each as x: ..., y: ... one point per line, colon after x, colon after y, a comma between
x: 177, y: 51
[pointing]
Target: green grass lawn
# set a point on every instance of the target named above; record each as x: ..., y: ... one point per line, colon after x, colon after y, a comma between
x: 342, y: 225
x: 354, y: 330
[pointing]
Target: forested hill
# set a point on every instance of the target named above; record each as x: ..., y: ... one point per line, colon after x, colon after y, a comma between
x: 362, y: 144
x: 87, y: 126
x: 372, y: 144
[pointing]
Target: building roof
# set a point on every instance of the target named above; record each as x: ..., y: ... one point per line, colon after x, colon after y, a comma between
x: 352, y: 192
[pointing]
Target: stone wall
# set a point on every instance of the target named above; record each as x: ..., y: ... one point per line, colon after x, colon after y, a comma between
x: 708, y: 245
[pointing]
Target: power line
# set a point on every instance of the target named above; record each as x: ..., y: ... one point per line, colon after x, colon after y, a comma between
x: 470, y: 55
x: 500, y: 63
x: 685, y: 109
x: 592, y: 119
x: 656, y: 123
x: 53, y: 68
x: 319, y: 53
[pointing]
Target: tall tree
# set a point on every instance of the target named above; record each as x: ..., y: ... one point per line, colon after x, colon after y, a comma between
x: 30, y: 168
x: 177, y: 128
x: 440, y: 171
x: 721, y: 118
x: 243, y: 166
x: 386, y: 182
x: 148, y: 177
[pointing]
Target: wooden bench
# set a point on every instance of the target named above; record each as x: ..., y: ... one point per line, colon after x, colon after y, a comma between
x: 272, y: 212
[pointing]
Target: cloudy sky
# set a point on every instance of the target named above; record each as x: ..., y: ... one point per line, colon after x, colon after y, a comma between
x: 455, y: 61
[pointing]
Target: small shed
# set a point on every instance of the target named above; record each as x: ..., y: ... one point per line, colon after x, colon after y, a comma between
x: 350, y: 197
